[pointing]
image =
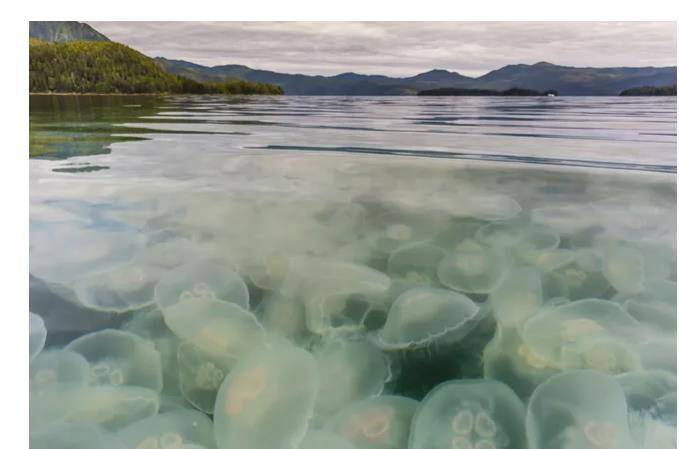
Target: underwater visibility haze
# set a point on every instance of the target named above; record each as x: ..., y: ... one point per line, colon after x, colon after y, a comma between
x: 352, y: 272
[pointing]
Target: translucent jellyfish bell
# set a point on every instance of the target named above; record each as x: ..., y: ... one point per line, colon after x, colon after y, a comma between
x: 462, y: 414
x: 655, y: 305
x: 382, y: 422
x: 59, y: 366
x: 519, y: 235
x: 215, y: 326
x: 646, y: 390
x: 37, y: 334
x: 171, y: 430
x: 422, y: 316
x: 324, y: 440
x: 207, y: 279
x: 74, y: 436
x: 267, y: 400
x: 416, y: 261
x: 109, y: 407
x: 518, y: 297
x: 472, y: 268
x: 591, y: 333
x: 120, y: 358
x: 624, y: 269
x: 578, y: 409
x: 348, y: 371
x: 283, y: 315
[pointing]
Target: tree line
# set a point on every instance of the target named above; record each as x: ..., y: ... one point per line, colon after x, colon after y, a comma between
x: 110, y: 67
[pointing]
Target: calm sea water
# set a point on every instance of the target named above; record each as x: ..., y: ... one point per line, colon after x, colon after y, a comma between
x: 126, y: 192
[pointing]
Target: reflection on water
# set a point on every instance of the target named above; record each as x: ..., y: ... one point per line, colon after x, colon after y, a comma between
x: 232, y: 232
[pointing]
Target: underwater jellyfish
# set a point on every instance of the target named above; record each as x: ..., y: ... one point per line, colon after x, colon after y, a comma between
x: 37, y: 334
x: 590, y: 333
x: 518, y: 235
x: 581, y: 409
x: 170, y: 430
x: 547, y: 260
x: 206, y: 279
x: 624, y: 269
x: 417, y: 262
x: 507, y: 359
x: 267, y: 400
x: 107, y: 406
x: 424, y: 316
x: 461, y: 414
x: 576, y: 281
x: 319, y: 439
x: 646, y: 392
x: 348, y: 371
x: 120, y: 289
x: 655, y: 305
x: 150, y: 325
x: 518, y: 297
x: 479, y: 204
x: 381, y: 422
x: 215, y: 326
x: 283, y: 315
x: 58, y: 366
x: 472, y: 268
x: 120, y: 358
x: 457, y: 231
x: 201, y: 373
x: 74, y: 436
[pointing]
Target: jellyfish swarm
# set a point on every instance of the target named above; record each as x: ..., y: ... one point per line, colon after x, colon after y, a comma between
x: 267, y: 400
x: 416, y: 262
x: 58, y: 366
x: 171, y: 430
x: 423, y: 316
x: 591, y: 333
x: 472, y: 268
x: 74, y: 436
x: 464, y: 414
x: 581, y: 409
x: 37, y: 334
x: 348, y: 371
x: 376, y: 423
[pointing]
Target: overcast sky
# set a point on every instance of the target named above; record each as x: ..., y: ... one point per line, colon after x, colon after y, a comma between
x: 400, y: 48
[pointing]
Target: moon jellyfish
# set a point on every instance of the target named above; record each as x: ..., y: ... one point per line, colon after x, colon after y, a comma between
x: 382, y: 422
x: 624, y: 269
x: 417, y: 262
x: 646, y: 393
x: 590, y: 333
x: 655, y: 305
x: 109, y: 407
x: 120, y: 358
x: 506, y: 358
x: 120, y: 289
x: 171, y: 430
x: 463, y: 414
x: 283, y: 315
x: 472, y: 268
x: 150, y: 325
x: 481, y: 205
x: 74, y: 436
x: 518, y: 297
x: 267, y: 400
x: 37, y: 334
x: 422, y: 316
x: 217, y: 327
x: 348, y: 371
x: 581, y: 409
x: 58, y: 366
x: 201, y: 373
x: 457, y: 231
x: 207, y: 279
x: 579, y: 282
x: 518, y: 235
x: 324, y: 440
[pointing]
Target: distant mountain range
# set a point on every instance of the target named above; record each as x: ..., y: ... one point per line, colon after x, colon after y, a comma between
x: 64, y: 32
x: 542, y: 76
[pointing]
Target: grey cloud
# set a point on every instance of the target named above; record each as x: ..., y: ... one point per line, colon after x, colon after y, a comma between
x: 400, y: 48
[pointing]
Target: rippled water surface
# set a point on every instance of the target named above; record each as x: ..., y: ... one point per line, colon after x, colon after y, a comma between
x: 251, y: 245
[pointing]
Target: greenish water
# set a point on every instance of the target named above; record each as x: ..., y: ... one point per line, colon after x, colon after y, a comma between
x: 364, y: 272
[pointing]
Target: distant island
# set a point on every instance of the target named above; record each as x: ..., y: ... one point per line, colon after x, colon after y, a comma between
x: 649, y: 91
x: 115, y: 68
x: 100, y: 66
x: 513, y: 92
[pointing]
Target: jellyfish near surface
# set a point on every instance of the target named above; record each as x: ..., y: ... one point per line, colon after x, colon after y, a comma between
x: 462, y: 414
x: 37, y: 334
x: 580, y: 408
x: 267, y: 400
